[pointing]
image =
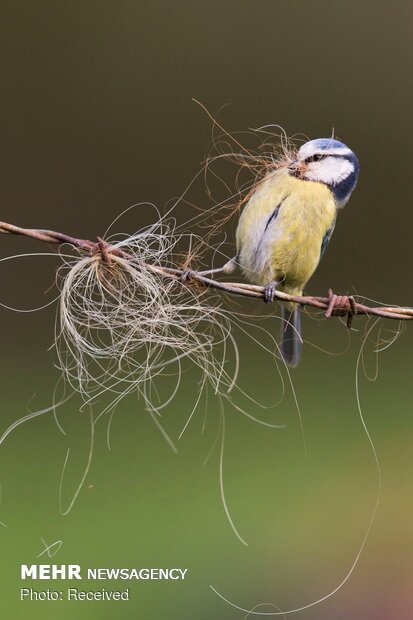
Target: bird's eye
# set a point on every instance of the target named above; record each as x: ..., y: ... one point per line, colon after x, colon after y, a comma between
x: 316, y: 157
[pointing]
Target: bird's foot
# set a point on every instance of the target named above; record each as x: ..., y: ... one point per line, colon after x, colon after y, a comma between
x: 341, y: 305
x: 269, y: 291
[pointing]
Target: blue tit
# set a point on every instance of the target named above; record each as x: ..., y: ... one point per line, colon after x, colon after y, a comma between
x: 286, y: 225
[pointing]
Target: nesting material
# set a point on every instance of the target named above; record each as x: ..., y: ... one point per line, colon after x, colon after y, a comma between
x: 122, y: 324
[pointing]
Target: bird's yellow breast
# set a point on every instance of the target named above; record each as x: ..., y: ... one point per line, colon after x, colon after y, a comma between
x: 281, y: 230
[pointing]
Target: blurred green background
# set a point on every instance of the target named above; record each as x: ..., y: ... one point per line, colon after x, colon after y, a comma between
x: 96, y: 115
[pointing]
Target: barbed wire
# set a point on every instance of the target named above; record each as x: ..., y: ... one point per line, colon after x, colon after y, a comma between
x: 332, y: 305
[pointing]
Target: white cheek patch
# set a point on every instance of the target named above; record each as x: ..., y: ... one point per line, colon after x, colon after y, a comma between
x: 331, y: 170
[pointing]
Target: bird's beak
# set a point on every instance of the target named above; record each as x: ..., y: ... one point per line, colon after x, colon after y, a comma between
x: 296, y: 168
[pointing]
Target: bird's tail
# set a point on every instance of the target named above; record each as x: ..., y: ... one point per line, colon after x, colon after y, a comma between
x: 290, y: 334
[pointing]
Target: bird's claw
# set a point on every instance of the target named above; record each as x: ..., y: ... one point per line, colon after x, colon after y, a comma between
x: 342, y: 305
x: 269, y: 292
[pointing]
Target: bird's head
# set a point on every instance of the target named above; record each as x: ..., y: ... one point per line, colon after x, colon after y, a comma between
x: 328, y: 161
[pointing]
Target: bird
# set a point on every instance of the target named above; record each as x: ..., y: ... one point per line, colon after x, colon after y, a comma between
x: 286, y: 224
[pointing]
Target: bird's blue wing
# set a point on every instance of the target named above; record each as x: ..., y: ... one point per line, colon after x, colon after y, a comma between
x: 326, y: 239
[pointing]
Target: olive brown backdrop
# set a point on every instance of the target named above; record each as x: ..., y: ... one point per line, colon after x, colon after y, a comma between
x: 96, y: 115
